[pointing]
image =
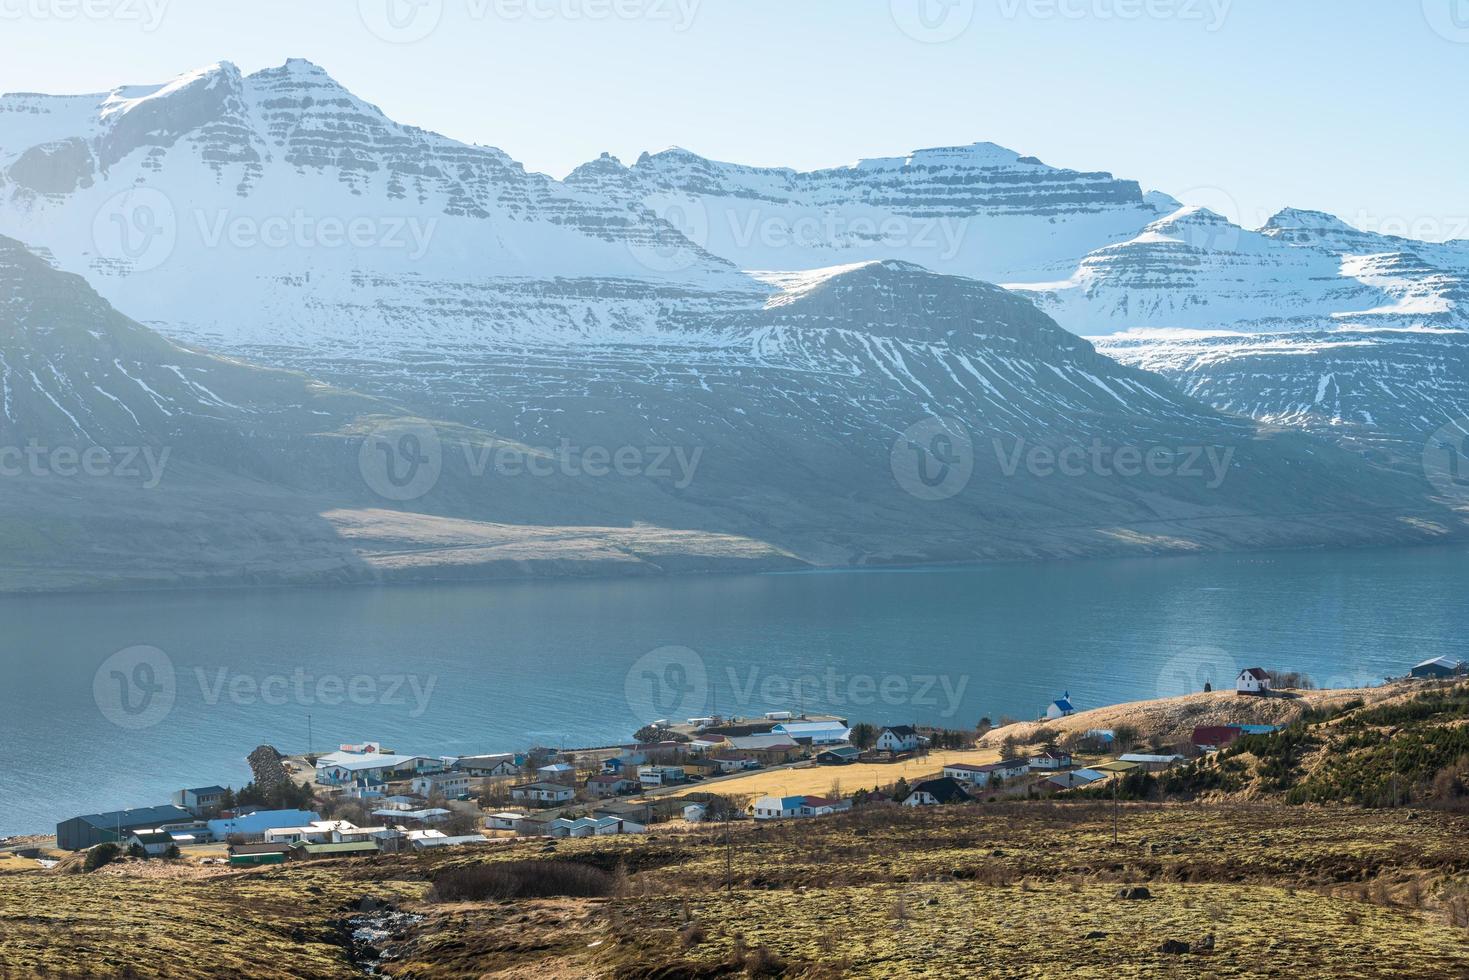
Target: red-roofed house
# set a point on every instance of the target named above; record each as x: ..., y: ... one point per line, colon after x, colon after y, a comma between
x: 1216, y: 736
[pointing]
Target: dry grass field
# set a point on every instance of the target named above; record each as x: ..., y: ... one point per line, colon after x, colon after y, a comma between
x: 818, y: 780
x: 999, y: 890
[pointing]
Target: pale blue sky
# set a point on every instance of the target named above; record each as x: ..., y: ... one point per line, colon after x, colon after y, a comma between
x: 1350, y: 106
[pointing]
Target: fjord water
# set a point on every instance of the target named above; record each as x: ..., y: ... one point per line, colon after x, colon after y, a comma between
x: 455, y: 669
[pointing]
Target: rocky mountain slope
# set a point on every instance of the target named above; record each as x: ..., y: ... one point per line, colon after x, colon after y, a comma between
x: 128, y: 461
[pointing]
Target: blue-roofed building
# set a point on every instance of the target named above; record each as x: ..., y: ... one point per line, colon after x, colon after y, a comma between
x: 255, y: 824
x: 89, y: 830
x: 777, y: 807
x: 1060, y: 708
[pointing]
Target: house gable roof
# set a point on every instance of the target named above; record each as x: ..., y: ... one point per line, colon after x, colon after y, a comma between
x: 945, y: 790
x: 1255, y: 672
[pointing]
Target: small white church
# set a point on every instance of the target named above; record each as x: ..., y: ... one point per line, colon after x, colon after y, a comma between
x: 1060, y: 708
x: 1253, y: 680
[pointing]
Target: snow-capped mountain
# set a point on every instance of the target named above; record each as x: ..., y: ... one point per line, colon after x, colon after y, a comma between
x: 981, y: 211
x: 788, y: 416
x: 279, y: 209
x: 1382, y: 389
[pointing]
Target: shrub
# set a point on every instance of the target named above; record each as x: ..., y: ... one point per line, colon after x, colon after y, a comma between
x: 101, y: 856
x: 521, y: 879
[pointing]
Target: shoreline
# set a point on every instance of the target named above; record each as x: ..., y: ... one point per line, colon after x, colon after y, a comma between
x: 898, y: 567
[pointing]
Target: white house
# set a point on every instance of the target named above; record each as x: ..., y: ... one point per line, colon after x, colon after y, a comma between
x: 982, y: 776
x: 897, y: 738
x: 1060, y: 708
x: 547, y: 794
x: 654, y: 776
x: 322, y: 832
x: 777, y: 807
x: 1252, y: 681
x: 504, y: 821
x: 449, y: 785
x: 342, y: 768
x: 814, y: 732
x: 557, y: 772
x: 1051, y: 761
x: 695, y: 813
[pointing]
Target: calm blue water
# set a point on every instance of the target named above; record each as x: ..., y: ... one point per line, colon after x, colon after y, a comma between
x: 482, y: 668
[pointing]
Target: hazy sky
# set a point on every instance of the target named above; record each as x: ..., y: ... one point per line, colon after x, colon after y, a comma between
x: 1350, y: 106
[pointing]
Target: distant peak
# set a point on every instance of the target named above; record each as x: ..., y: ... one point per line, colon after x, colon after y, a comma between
x: 982, y: 154
x: 1299, y: 219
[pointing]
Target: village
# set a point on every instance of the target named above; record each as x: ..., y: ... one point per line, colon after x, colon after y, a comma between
x: 367, y: 798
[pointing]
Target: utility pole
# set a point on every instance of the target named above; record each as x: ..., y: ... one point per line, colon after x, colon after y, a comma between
x: 1115, y: 780
x: 728, y: 855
